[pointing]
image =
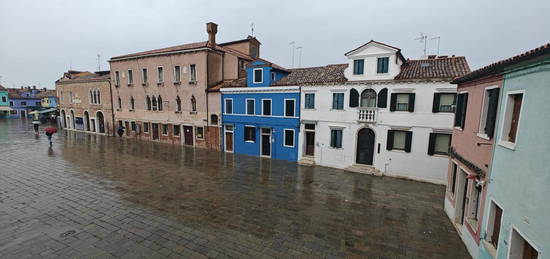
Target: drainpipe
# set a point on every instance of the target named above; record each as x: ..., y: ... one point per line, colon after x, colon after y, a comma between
x: 206, y: 91
x: 112, y: 108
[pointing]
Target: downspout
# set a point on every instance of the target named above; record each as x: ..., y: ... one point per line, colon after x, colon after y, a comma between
x: 112, y: 108
x: 206, y: 91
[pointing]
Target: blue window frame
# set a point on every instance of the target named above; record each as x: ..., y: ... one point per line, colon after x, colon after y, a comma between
x: 336, y: 138
x: 310, y: 101
x: 338, y: 101
x: 382, y: 65
x: 358, y: 66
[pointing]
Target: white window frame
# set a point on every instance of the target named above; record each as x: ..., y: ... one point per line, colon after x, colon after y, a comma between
x: 505, y: 120
x: 253, y: 106
x: 244, y: 133
x: 293, y: 137
x: 284, y: 111
x: 159, y: 74
x: 523, y: 236
x: 197, y: 135
x: 343, y: 100
x: 254, y: 76
x: 489, y: 220
x: 179, y: 74
x: 130, y: 77
x: 270, y: 107
x: 272, y: 74
x: 305, y: 101
x: 483, y: 115
x: 225, y: 106
x: 117, y: 78
x: 331, y: 128
x: 383, y: 73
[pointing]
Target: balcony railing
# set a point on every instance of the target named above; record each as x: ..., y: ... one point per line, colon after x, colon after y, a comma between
x: 366, y: 114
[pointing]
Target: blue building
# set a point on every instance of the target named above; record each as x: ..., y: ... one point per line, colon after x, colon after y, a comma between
x: 22, y: 101
x: 258, y: 118
x: 4, y: 103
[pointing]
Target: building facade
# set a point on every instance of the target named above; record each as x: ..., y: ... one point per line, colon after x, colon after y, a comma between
x: 84, y: 102
x: 172, y: 94
x: 517, y: 205
x: 260, y: 119
x: 4, y: 103
x: 22, y: 101
x: 48, y: 98
x: 379, y: 113
x: 471, y: 153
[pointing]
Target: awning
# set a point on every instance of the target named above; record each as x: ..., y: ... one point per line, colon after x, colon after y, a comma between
x: 44, y: 111
x: 5, y: 108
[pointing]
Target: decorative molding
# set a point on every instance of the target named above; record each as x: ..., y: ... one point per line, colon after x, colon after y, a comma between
x: 261, y: 89
x: 480, y: 174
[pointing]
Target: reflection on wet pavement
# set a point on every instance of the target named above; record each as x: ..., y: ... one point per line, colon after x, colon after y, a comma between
x: 93, y: 195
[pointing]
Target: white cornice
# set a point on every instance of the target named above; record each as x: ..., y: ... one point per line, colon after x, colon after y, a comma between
x: 262, y: 89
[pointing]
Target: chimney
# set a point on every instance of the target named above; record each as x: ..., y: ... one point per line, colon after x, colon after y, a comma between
x: 212, y: 29
x: 431, y: 56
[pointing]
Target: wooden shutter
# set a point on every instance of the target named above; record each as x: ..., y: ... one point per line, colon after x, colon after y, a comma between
x: 458, y: 111
x: 353, y: 98
x: 491, y: 112
x: 435, y: 107
x: 518, y: 98
x: 383, y: 98
x: 389, y: 143
x: 408, y: 141
x: 431, y: 144
x: 496, y: 226
x: 393, y: 101
x: 411, y: 102
x: 464, y: 107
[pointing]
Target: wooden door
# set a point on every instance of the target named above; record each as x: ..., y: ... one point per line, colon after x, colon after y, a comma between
x: 310, y: 143
x: 266, y: 142
x: 127, y: 126
x: 188, y: 135
x: 496, y: 226
x: 229, y: 141
x: 365, y: 146
x: 155, y: 129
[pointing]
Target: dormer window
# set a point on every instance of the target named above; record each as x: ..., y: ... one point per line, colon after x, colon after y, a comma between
x: 258, y: 76
x: 358, y: 66
x: 272, y: 76
x: 382, y: 65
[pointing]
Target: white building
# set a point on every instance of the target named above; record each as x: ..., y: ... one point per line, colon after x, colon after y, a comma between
x: 379, y: 111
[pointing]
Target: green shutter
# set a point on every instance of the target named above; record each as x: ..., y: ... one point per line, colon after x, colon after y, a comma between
x: 408, y: 141
x: 389, y: 143
x: 411, y: 102
x: 435, y: 107
x: 431, y: 144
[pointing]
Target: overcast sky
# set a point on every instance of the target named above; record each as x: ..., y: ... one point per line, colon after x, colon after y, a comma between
x: 39, y: 40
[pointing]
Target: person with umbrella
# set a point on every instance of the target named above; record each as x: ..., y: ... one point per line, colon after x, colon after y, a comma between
x: 49, y: 132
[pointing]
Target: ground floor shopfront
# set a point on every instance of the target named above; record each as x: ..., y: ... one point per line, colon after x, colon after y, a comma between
x: 89, y: 120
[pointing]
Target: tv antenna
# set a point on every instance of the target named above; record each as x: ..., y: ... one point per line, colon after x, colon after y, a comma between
x: 98, y: 63
x: 252, y: 29
x: 299, y: 56
x: 438, y: 38
x: 423, y: 39
x: 292, y: 44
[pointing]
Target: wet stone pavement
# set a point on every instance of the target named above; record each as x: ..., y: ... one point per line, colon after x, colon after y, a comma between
x: 93, y: 196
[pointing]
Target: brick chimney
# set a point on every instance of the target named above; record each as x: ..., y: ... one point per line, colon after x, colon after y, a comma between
x: 212, y: 29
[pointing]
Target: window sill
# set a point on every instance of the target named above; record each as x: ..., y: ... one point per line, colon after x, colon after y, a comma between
x: 507, y: 144
x: 288, y: 146
x: 337, y: 110
x: 177, y: 83
x: 144, y: 84
x: 398, y: 150
x: 192, y: 112
x: 130, y: 85
x: 200, y: 138
x: 458, y: 128
x: 309, y: 109
x: 192, y: 82
x: 490, y: 248
x: 440, y: 155
x: 131, y: 110
x: 483, y: 136
x: 249, y: 141
x: 336, y: 148
x: 176, y: 136
x: 473, y: 223
x: 178, y: 112
x: 160, y: 84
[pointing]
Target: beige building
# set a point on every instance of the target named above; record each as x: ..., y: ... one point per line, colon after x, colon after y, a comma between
x: 84, y: 101
x: 172, y: 94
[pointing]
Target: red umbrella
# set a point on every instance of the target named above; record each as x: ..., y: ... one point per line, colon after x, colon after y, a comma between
x: 50, y: 130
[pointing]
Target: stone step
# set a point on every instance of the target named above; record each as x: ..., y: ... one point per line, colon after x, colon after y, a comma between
x: 364, y: 169
x: 307, y: 161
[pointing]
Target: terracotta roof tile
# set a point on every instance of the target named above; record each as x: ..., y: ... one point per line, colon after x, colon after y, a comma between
x: 78, y: 76
x: 434, y: 68
x: 188, y: 46
x: 46, y: 93
x: 314, y: 75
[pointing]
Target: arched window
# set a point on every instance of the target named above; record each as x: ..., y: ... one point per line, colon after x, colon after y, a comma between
x: 148, y: 103
x: 132, y: 106
x: 178, y: 104
x: 353, y: 98
x: 159, y: 100
x: 368, y: 98
x: 119, y: 103
x: 91, y: 97
x: 154, y: 103
x: 214, y: 119
x: 98, y: 97
x: 193, y: 104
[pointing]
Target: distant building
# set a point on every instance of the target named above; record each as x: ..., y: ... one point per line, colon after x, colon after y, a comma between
x: 48, y: 98
x: 172, y: 94
x: 260, y: 119
x: 23, y: 100
x: 84, y: 101
x: 4, y: 103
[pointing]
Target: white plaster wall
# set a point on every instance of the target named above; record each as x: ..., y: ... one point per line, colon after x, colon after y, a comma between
x: 415, y: 165
x: 468, y: 240
x: 450, y: 210
x: 370, y: 54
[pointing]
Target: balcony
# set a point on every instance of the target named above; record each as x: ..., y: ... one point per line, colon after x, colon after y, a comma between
x: 366, y: 114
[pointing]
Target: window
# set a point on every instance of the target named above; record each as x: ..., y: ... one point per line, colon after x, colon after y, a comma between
x: 176, y: 130
x: 402, y: 102
x: 511, y: 118
x: 493, y: 228
x: 144, y: 77
x: 148, y: 103
x: 250, y: 106
x: 214, y: 119
x: 358, y: 66
x: 11, y: 103
x: 249, y: 133
x: 309, y: 101
x: 23, y: 103
x: 130, y: 77
x: 337, y: 101
x: 160, y: 72
x: 177, y: 74
x: 489, y: 112
x: 38, y: 103
x: 242, y: 64
x: 192, y: 73
x: 229, y: 106
x: 290, y: 110
x: 4, y: 99
x: 444, y: 102
x: 159, y: 100
x: 520, y: 248
x: 193, y: 104
x: 382, y: 66
x: 155, y: 106
x: 119, y: 103
x: 178, y: 104
x: 439, y: 144
x: 165, y: 129
x: 133, y: 126
x: 257, y: 76
x: 272, y: 76
x: 336, y: 138
x: 98, y: 94
x: 368, y: 98
x: 289, y: 138
x: 399, y: 140
x: 146, y: 127
x: 475, y: 201
x: 454, y: 171
x: 254, y: 51
x: 132, y: 102
x: 117, y: 78
x: 266, y: 107
x: 200, y: 132
x: 460, y: 113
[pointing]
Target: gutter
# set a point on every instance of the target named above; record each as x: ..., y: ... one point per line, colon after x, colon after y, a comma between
x: 112, y: 108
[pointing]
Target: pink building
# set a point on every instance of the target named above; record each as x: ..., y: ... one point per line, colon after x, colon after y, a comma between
x: 470, y: 154
x: 172, y: 94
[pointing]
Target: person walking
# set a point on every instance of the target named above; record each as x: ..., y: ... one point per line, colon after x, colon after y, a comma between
x: 120, y: 131
x: 49, y: 132
x: 36, y: 122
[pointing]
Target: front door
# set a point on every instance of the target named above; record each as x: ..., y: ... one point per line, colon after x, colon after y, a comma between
x: 188, y: 135
x: 228, y: 138
x: 365, y: 146
x: 23, y: 114
x: 127, y: 126
x: 155, y: 129
x: 266, y: 142
x: 310, y: 139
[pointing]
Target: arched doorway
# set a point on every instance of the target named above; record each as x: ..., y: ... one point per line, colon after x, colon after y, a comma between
x: 365, y: 146
x: 63, y: 119
x: 72, y: 119
x: 87, y: 120
x: 368, y: 98
x: 100, y: 122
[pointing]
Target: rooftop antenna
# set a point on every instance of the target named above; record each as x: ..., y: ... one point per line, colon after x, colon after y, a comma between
x: 438, y: 38
x: 299, y: 56
x: 98, y: 63
x: 423, y: 39
x: 71, y: 65
x: 292, y: 44
x: 252, y: 29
